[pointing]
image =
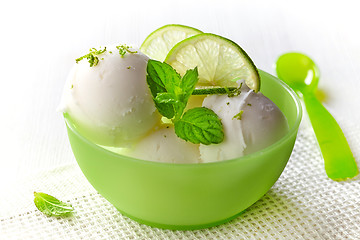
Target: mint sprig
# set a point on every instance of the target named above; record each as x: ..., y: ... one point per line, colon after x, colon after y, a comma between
x: 51, y: 206
x: 171, y: 93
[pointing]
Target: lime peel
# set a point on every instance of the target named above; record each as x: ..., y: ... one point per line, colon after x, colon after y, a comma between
x: 159, y: 42
x: 219, y: 61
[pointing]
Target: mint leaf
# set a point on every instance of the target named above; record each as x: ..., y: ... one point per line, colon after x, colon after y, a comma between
x: 163, y: 74
x: 166, y: 97
x: 187, y: 86
x: 188, y: 82
x: 51, y: 206
x: 162, y: 78
x: 200, y: 125
x: 170, y: 92
x: 165, y: 109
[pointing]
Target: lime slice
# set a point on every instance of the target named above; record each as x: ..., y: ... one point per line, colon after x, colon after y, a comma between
x: 158, y: 44
x: 220, y: 61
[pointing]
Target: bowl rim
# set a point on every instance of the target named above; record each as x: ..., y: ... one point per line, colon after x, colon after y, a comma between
x: 289, y: 134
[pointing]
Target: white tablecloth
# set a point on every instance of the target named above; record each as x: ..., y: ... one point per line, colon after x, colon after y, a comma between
x: 41, y: 39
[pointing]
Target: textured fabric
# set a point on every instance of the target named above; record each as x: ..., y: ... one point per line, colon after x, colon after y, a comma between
x: 303, y: 204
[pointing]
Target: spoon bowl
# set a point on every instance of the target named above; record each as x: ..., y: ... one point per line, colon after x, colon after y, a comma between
x: 298, y: 71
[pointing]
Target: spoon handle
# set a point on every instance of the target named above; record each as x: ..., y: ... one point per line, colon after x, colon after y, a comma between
x: 339, y: 161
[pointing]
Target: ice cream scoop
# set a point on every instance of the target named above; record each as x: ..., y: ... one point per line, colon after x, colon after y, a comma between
x: 251, y: 122
x: 162, y: 145
x: 110, y: 103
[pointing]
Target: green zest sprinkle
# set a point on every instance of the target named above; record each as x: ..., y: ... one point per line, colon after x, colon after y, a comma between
x: 249, y: 104
x: 123, y: 49
x: 236, y: 92
x: 238, y: 116
x: 92, y: 56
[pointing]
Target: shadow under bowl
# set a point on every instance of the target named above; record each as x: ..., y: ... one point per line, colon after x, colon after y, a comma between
x: 189, y: 196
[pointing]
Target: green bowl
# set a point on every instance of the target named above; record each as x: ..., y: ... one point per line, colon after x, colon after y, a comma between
x: 189, y: 196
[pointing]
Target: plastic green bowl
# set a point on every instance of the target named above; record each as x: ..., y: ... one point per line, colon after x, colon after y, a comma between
x: 189, y: 196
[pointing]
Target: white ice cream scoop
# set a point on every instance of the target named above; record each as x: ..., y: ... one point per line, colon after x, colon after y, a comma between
x: 110, y: 103
x: 162, y: 145
x: 251, y: 122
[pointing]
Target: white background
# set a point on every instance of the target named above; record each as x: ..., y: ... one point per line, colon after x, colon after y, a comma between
x: 41, y: 39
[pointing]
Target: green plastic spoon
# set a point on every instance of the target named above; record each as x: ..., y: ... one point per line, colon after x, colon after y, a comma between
x: 301, y: 73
